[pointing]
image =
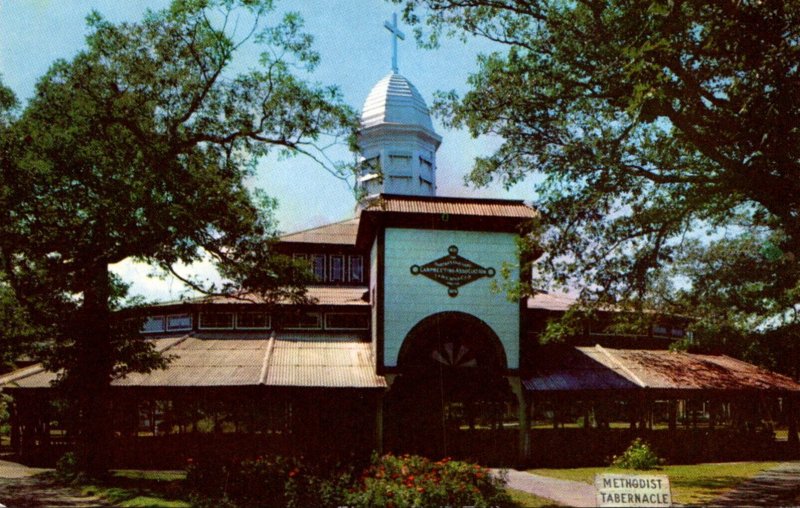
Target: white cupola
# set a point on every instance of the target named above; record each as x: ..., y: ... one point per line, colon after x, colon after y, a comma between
x: 396, y: 139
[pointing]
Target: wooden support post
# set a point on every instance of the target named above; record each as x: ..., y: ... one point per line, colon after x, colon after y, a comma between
x: 791, y: 419
x: 380, y: 438
x: 379, y: 424
x: 524, y: 438
x: 673, y: 415
x: 15, y: 436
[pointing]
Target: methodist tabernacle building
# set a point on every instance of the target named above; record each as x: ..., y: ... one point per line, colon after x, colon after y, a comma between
x: 409, y: 346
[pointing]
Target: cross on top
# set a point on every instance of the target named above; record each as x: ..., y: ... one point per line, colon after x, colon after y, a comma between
x: 396, y: 34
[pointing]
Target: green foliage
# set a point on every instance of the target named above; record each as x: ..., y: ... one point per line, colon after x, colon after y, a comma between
x: 389, y: 481
x: 638, y: 456
x: 67, y: 467
x: 409, y: 480
x: 662, y: 137
x: 267, y: 482
x: 139, y: 148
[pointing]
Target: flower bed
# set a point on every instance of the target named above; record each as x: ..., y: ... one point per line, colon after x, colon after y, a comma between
x: 389, y: 481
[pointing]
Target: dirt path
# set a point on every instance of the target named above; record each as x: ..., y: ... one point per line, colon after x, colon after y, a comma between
x: 22, y: 486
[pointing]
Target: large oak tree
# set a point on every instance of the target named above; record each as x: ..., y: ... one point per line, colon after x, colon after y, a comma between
x: 665, y: 140
x: 138, y: 148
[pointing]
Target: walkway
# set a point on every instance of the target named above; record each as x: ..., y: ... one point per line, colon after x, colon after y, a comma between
x: 779, y: 486
x: 564, y: 492
x: 22, y: 486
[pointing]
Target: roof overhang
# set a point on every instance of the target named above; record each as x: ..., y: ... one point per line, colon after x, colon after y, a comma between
x: 443, y: 213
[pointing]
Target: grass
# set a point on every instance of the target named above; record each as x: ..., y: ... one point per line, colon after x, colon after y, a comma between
x: 141, y: 489
x: 691, y: 484
x: 526, y: 500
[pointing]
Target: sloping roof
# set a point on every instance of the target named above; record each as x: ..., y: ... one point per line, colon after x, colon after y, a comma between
x: 214, y: 360
x: 598, y: 368
x: 320, y: 295
x: 571, y: 369
x: 322, y: 364
x: 551, y: 301
x: 685, y: 371
x: 338, y: 233
x: 395, y: 100
x: 501, y: 208
x: 36, y: 376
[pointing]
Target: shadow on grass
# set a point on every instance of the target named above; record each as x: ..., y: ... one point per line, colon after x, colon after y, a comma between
x: 716, y: 483
x: 141, y: 489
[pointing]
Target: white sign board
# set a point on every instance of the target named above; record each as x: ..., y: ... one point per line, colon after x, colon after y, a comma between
x: 632, y: 490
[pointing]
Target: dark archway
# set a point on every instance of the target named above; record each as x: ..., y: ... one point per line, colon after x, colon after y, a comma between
x: 451, y: 380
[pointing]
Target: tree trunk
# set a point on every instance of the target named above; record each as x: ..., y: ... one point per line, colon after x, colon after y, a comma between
x: 91, y: 375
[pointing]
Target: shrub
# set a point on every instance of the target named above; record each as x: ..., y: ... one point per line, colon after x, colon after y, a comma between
x: 639, y: 456
x: 67, y: 467
x: 409, y: 480
x: 266, y: 482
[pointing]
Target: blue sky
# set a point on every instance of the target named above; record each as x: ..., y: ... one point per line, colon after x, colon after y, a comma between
x: 356, y: 53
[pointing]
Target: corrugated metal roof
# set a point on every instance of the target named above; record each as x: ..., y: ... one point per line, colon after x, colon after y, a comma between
x: 322, y: 364
x: 203, y: 361
x: 338, y: 233
x: 684, y: 371
x: 598, y: 368
x: 35, y: 376
x: 452, y: 206
x: 571, y: 369
x: 14, y: 377
x: 550, y: 301
x: 320, y: 295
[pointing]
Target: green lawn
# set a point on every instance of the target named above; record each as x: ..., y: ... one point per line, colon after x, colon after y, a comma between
x: 140, y: 489
x: 691, y: 484
x: 525, y: 500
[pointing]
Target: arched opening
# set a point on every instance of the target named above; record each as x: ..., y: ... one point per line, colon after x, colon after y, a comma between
x: 450, y: 388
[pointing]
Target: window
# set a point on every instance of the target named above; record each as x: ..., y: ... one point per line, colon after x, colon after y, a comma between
x: 425, y: 184
x: 253, y: 321
x: 304, y: 321
x: 426, y: 170
x: 153, y: 324
x: 346, y: 321
x: 216, y: 320
x: 318, y: 266
x: 337, y: 268
x: 178, y: 322
x: 400, y: 165
x: 356, y: 269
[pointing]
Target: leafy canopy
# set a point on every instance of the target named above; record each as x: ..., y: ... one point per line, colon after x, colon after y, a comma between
x: 665, y: 133
x: 139, y: 148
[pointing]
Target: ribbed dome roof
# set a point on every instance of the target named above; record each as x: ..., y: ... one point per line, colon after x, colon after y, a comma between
x: 394, y: 99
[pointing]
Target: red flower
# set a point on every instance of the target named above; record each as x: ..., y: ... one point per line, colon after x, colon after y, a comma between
x: 421, y: 490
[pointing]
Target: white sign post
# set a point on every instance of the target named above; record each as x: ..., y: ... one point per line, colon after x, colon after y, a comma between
x: 633, y: 490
